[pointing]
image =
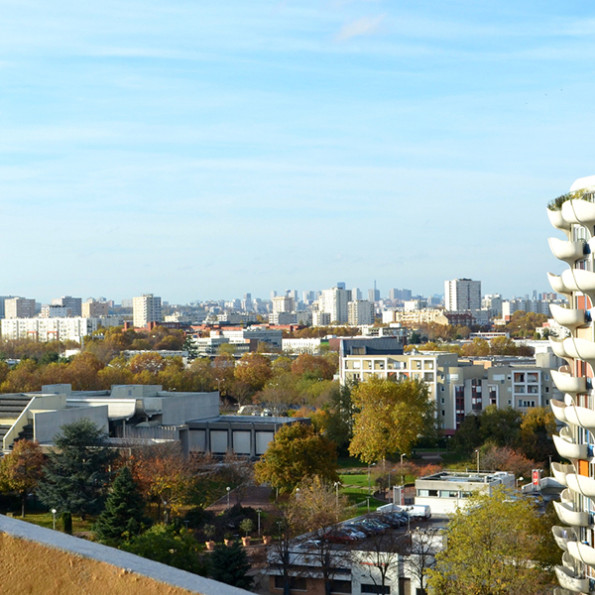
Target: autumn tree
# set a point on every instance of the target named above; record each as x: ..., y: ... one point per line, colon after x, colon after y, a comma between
x: 537, y: 427
x: 21, y: 470
x: 390, y: 417
x: 253, y: 369
x: 491, y: 548
x: 164, y: 476
x: 315, y: 366
x: 296, y: 452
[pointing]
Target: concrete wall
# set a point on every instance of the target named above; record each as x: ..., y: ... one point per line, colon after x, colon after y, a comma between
x: 48, y: 423
x: 181, y: 408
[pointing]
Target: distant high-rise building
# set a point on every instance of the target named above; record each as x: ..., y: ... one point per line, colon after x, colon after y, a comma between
x: 72, y: 303
x: 282, y: 303
x: 360, y: 312
x: 341, y: 285
x: 373, y: 295
x: 462, y: 294
x: 19, y: 307
x: 334, y: 302
x: 93, y: 309
x: 146, y: 309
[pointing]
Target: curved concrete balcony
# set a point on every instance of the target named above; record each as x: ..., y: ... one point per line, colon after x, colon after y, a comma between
x: 568, y: 317
x: 567, y: 251
x: 566, y: 383
x: 567, y: 496
x: 579, y: 211
x: 579, y: 280
x: 569, y: 516
x: 568, y: 579
x: 580, y: 349
x: 557, y: 284
x: 581, y: 484
x: 562, y: 535
x: 580, y: 416
x: 560, y: 472
x: 568, y: 561
x: 557, y: 219
x: 582, y: 552
x: 558, y: 349
x: 558, y: 409
x: 568, y: 449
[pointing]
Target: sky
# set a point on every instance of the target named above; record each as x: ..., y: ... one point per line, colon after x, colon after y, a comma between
x: 202, y: 150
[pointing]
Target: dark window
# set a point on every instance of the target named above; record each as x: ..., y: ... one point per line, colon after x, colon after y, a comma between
x: 379, y: 589
x: 341, y: 587
x: 295, y: 582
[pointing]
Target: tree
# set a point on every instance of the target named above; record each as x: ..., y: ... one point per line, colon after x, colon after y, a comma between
x: 501, y: 426
x: 491, y: 548
x: 425, y: 543
x: 318, y: 367
x: 77, y: 472
x: 254, y: 369
x: 123, y: 516
x: 230, y: 565
x: 297, y: 452
x: 166, y: 544
x: 537, y: 428
x: 164, y: 475
x: 391, y: 417
x: 21, y: 470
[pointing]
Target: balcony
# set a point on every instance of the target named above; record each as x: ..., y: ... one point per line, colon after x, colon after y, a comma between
x: 557, y: 219
x: 579, y: 211
x: 560, y: 472
x: 558, y: 409
x: 580, y: 416
x: 580, y: 348
x: 558, y: 348
x: 581, y: 484
x: 557, y: 284
x: 582, y: 552
x: 567, y: 251
x: 579, y: 280
x: 568, y: 317
x: 566, y: 383
x: 569, y: 516
x: 567, y: 448
x: 568, y: 579
x: 562, y: 536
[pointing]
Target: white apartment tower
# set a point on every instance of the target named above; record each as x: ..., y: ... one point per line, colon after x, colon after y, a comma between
x: 146, y: 309
x: 462, y: 294
x: 334, y: 302
x: 573, y: 214
x: 360, y: 312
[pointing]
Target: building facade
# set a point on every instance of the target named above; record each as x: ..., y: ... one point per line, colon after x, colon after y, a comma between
x: 462, y: 294
x: 574, y: 215
x: 19, y: 307
x: 146, y: 309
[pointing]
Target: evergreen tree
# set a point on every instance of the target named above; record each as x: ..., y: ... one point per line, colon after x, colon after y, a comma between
x: 77, y: 472
x: 229, y: 564
x: 123, y: 516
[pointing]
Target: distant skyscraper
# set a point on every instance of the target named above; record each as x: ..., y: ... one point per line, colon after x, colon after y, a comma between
x: 146, y: 309
x: 462, y: 294
x: 72, y: 303
x: 334, y: 302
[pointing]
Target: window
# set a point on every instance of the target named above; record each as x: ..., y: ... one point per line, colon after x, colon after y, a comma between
x: 375, y: 589
x: 340, y: 586
x: 295, y: 582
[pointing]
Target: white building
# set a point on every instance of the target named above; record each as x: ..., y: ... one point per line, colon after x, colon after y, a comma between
x: 54, y: 329
x: 94, y: 309
x: 72, y: 303
x: 462, y: 294
x: 334, y: 302
x: 146, y: 309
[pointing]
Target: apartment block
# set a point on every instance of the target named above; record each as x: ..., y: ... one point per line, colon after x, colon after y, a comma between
x: 462, y: 294
x: 146, y: 309
x: 19, y: 307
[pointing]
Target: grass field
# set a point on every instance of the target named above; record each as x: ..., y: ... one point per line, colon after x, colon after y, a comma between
x: 44, y: 519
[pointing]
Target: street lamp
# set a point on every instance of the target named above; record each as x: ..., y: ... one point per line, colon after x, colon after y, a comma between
x: 477, y: 452
x: 337, y: 484
x: 228, y: 490
x: 258, y: 511
x: 54, y: 511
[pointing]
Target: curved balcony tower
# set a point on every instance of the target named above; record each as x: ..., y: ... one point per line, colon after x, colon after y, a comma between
x: 573, y: 214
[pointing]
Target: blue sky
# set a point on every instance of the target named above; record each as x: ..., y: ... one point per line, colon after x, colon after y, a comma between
x: 206, y: 149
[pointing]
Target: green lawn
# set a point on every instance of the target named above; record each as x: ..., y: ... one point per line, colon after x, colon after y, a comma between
x: 44, y: 519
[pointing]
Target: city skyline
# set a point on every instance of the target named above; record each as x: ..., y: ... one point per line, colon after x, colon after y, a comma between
x: 204, y: 151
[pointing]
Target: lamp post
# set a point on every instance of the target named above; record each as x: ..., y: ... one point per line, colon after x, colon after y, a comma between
x: 477, y: 452
x: 54, y: 511
x: 228, y: 490
x: 258, y: 511
x: 337, y: 484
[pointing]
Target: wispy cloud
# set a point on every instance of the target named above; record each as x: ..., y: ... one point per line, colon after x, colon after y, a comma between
x: 360, y: 27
